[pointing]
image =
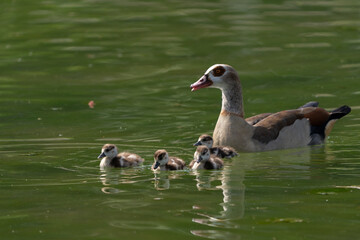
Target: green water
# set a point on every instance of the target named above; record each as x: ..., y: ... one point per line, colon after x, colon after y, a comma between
x: 136, y: 61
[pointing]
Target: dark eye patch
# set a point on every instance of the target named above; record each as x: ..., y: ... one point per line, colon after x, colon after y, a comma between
x: 218, y: 71
x: 207, y: 139
x: 161, y: 156
x: 109, y: 148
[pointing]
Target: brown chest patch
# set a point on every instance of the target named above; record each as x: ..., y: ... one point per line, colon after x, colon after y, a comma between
x: 226, y: 113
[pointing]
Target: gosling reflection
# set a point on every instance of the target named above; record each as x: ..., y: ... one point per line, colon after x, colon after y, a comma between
x: 162, y: 179
x: 207, y: 180
x: 112, y: 179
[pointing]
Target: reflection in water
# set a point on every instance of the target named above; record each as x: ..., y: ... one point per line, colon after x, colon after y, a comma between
x: 138, y: 225
x: 233, y: 198
x: 112, y: 177
x: 110, y: 190
x: 162, y: 178
x: 161, y: 181
x: 205, y: 179
x: 215, y: 234
x: 233, y: 190
x: 286, y: 164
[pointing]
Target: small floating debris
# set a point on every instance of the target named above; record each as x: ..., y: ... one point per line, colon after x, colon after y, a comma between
x: 91, y: 104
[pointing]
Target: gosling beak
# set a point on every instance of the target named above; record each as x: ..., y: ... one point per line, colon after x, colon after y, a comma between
x: 102, y: 155
x: 198, y: 143
x: 203, y: 82
x: 157, y: 164
x: 199, y: 159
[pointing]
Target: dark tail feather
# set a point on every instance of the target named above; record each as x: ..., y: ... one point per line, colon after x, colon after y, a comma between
x: 339, y: 112
x: 319, y: 133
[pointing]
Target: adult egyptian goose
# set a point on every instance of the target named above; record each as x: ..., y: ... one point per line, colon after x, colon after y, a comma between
x: 285, y: 129
x: 111, y: 158
x: 204, y: 160
x: 220, y: 151
x: 162, y: 161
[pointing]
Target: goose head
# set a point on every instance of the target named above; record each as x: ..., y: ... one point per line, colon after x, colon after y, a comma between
x: 108, y: 150
x: 202, y: 153
x: 217, y: 76
x: 161, y: 157
x: 205, y: 140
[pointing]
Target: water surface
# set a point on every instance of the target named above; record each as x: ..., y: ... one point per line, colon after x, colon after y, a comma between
x: 136, y: 60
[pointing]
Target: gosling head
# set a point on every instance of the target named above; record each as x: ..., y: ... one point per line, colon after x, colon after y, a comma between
x: 217, y: 76
x: 108, y: 150
x: 161, y: 157
x: 205, y: 140
x: 202, y: 153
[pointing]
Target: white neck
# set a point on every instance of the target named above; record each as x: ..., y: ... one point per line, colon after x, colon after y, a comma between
x: 105, y: 162
x: 198, y: 166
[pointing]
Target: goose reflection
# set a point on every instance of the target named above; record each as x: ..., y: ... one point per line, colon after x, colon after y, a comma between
x: 229, y: 182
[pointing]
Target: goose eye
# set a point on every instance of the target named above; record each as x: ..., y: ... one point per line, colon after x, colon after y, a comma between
x: 107, y: 150
x: 218, y: 71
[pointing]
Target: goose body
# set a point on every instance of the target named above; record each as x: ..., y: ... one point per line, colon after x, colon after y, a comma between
x: 306, y: 125
x: 219, y: 151
x: 204, y: 160
x: 162, y: 161
x: 111, y: 158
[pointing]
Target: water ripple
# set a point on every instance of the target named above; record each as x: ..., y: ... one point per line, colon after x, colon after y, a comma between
x: 308, y: 45
x: 352, y: 65
x: 83, y: 48
x: 138, y: 225
x: 215, y: 234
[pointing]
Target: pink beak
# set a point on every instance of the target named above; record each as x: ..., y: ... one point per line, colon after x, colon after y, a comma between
x: 203, y: 82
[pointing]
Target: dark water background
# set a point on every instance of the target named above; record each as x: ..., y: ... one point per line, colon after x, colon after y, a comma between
x: 136, y: 60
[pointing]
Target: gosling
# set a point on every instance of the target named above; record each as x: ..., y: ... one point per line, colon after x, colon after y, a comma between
x: 111, y: 158
x: 162, y: 161
x: 220, y: 151
x: 204, y: 160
